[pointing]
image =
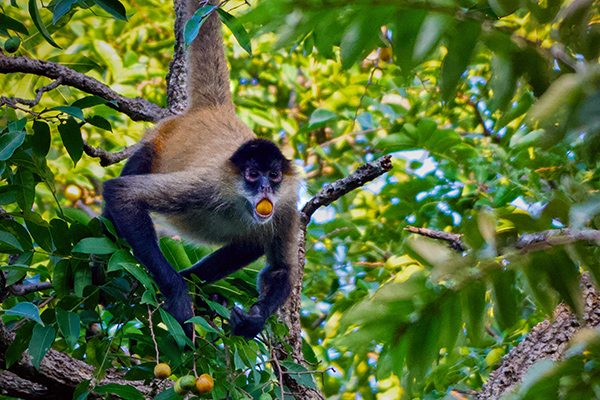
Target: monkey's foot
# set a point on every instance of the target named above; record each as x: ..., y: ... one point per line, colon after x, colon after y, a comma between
x: 245, y: 324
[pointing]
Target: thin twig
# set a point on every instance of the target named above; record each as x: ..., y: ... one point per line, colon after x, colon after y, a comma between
x: 452, y: 238
x: 107, y: 158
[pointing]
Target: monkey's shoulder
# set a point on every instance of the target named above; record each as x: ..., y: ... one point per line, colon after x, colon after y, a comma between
x: 203, y: 137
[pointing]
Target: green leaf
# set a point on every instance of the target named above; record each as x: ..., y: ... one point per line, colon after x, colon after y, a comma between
x: 7, y: 22
x: 237, y: 29
x: 62, y: 278
x: 423, y: 338
x: 395, y: 142
x: 473, y: 304
x: 175, y: 254
x: 319, y: 116
x: 192, y: 26
x: 41, y: 340
x: 82, y: 390
x: 9, y: 142
x: 301, y: 376
x: 41, y: 138
x: 405, y: 32
x: 26, y: 309
x: 70, y: 110
x: 462, y: 46
x: 564, y: 276
x: 89, y: 101
x: 24, y: 182
x: 60, y: 236
x: 506, y: 308
x: 34, y: 12
x: 123, y: 391
x: 174, y: 328
x: 430, y: 33
x: 61, y: 8
x: 202, y: 322
x: 19, y: 232
x: 95, y: 245
x: 114, y: 8
x: 168, y: 394
x: 69, y: 325
x: 8, y: 239
x: 99, y: 122
x: 140, y: 274
x: 77, y: 62
x: 72, y: 140
x: 82, y: 276
x: 19, y: 345
x: 40, y: 233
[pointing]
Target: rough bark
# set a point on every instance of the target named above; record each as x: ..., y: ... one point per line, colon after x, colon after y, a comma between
x: 137, y: 109
x: 548, y: 339
x: 57, y: 377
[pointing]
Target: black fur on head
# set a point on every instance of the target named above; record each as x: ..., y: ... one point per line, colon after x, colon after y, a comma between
x: 261, y: 154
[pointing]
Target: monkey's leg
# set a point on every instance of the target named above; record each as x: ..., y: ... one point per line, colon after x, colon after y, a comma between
x: 128, y: 201
x: 224, y: 261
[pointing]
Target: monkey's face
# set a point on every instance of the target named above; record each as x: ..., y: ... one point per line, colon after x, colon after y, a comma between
x: 261, y: 187
x: 262, y: 168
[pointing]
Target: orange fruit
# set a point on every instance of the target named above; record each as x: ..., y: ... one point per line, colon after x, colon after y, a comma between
x: 264, y: 207
x: 205, y: 383
x: 162, y: 371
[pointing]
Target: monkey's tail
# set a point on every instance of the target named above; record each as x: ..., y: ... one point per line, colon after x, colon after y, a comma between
x: 209, y: 75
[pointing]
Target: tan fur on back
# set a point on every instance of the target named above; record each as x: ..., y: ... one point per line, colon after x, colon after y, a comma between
x: 203, y: 137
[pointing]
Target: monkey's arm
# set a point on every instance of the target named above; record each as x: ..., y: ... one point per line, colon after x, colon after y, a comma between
x: 128, y: 203
x: 274, y: 281
x: 228, y: 259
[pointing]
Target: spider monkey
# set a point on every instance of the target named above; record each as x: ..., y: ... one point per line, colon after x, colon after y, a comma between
x: 215, y: 181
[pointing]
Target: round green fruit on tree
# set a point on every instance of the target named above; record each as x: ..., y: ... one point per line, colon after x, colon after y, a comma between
x: 12, y: 44
x: 187, y: 382
x: 178, y: 389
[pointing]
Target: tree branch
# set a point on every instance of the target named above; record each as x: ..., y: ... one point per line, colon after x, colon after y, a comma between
x: 337, y: 189
x: 137, y: 109
x: 548, y: 339
x: 290, y: 312
x: 452, y: 238
x: 107, y: 158
x: 59, y: 373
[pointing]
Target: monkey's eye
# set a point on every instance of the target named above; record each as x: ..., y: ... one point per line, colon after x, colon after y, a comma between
x: 252, y: 175
x: 275, y: 176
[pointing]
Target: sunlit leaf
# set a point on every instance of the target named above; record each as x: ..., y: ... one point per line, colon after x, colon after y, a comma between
x: 34, y: 12
x: 26, y: 309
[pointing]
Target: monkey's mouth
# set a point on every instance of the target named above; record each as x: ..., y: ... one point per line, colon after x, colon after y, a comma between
x: 264, y: 209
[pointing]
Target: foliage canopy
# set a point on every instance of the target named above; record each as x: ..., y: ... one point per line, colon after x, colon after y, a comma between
x: 491, y: 110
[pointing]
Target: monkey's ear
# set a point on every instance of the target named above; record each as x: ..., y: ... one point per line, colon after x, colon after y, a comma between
x: 235, y: 170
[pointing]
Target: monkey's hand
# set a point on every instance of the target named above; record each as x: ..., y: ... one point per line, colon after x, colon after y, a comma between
x: 247, y: 324
x: 179, y: 305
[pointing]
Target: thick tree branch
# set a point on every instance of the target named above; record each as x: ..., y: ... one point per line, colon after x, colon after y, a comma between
x: 137, y: 109
x: 58, y: 375
x: 290, y: 312
x: 337, y: 189
x: 548, y: 339
x: 531, y: 242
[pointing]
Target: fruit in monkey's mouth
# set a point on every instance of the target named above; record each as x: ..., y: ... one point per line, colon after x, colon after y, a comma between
x: 264, y: 208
